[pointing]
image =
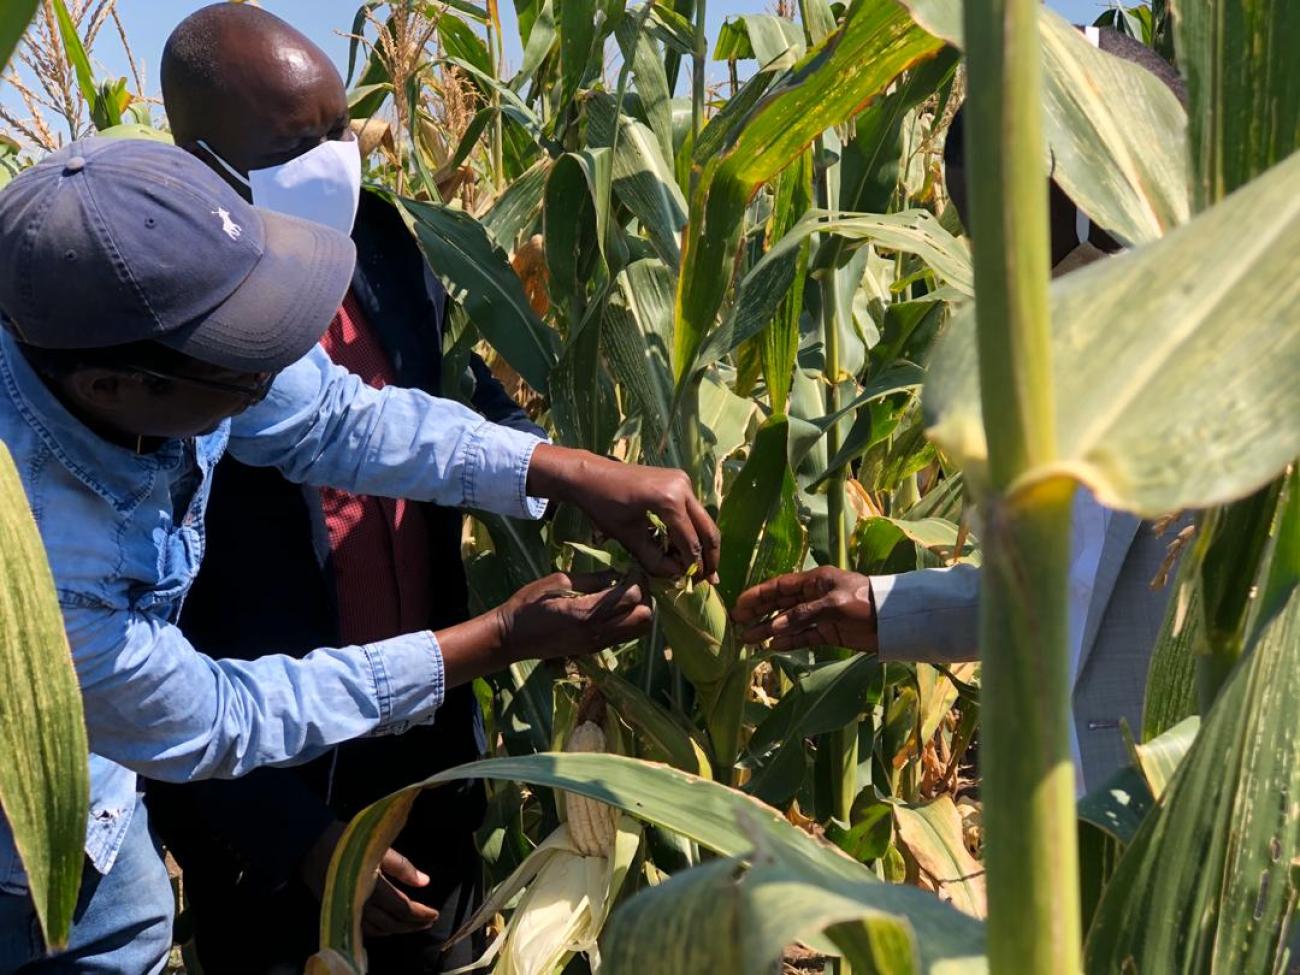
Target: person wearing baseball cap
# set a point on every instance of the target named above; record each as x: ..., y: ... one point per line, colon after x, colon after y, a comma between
x: 145, y: 304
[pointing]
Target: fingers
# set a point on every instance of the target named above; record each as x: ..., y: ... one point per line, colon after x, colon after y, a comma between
x: 402, y: 870
x: 800, y: 619
x: 710, y: 537
x: 389, y: 912
x: 614, y: 616
x: 782, y: 593
x: 647, y: 550
x: 592, y: 581
x: 685, y: 546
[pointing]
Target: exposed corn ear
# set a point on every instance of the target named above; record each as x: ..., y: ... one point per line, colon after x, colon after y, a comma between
x: 694, y: 621
x: 591, y: 824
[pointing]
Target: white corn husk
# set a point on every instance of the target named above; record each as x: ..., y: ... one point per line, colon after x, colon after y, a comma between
x: 569, y: 885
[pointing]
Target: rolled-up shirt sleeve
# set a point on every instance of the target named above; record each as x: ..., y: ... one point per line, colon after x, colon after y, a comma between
x: 159, y: 707
x: 322, y: 425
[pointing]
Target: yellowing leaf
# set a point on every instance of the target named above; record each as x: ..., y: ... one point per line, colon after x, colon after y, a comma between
x: 935, y: 837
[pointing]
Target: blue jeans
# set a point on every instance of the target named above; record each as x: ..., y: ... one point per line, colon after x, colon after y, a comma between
x: 122, y: 925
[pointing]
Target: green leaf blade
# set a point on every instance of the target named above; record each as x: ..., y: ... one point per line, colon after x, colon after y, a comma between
x: 44, y: 778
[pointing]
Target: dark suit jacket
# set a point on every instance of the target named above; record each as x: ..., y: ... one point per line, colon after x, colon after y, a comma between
x: 266, y: 586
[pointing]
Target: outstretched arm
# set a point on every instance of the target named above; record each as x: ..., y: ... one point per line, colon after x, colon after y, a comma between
x: 322, y: 425
x: 156, y: 705
x: 931, y: 615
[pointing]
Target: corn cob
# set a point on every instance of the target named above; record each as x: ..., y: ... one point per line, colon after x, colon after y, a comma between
x: 694, y: 622
x: 591, y: 823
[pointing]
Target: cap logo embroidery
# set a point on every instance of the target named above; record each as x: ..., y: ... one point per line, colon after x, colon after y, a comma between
x: 233, y: 230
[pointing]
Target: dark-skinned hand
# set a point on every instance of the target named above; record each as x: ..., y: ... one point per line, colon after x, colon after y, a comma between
x: 821, y: 607
x: 562, y: 615
x: 617, y: 497
x: 388, y: 910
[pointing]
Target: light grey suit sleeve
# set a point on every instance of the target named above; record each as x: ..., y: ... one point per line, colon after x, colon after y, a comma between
x: 931, y: 615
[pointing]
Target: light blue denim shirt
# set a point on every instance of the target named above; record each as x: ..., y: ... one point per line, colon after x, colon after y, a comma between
x: 124, y: 535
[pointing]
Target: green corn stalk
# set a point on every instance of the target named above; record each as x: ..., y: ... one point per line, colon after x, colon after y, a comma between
x: 1028, y: 776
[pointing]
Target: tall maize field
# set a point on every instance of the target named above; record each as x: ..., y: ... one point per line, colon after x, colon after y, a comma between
x: 764, y: 284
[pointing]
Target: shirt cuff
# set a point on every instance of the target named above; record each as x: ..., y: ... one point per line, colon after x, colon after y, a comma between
x: 494, y: 476
x: 915, y: 624
x: 887, y: 640
x: 410, y: 681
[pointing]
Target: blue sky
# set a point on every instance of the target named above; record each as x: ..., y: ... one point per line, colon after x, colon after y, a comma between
x: 148, y: 22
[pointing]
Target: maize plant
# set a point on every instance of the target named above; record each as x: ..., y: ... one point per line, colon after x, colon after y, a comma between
x: 765, y: 286
x: 750, y: 289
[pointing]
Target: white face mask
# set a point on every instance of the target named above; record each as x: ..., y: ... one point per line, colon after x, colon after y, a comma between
x: 322, y: 185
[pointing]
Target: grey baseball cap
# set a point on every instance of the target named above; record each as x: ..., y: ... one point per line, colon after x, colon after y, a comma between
x: 112, y: 241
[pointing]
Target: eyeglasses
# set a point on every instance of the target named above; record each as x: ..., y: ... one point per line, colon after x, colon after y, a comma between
x: 253, y: 392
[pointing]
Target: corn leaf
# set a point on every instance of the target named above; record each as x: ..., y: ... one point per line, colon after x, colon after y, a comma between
x: 44, y: 778
x: 1181, y: 416
x: 638, y: 48
x: 476, y: 272
x: 643, y: 177
x: 1159, y: 758
x: 1171, y: 677
x: 749, y: 504
x: 718, y: 818
x: 763, y: 288
x: 665, y: 737
x: 460, y: 41
x: 877, y: 41
x: 517, y: 208
x: 583, y: 405
x: 785, y: 541
x: 674, y: 928
x: 135, y: 130
x: 353, y: 872
x: 571, y: 231
x: 75, y: 52
x: 724, y: 416
x: 1242, y: 82
x: 1119, y: 806
x: 1238, y: 62
x: 793, y: 194
x: 825, y: 699
x: 577, y: 28
x: 1122, y: 160
x: 932, y: 834
x: 14, y: 19
x: 766, y: 38
x: 1208, y: 883
x: 638, y: 327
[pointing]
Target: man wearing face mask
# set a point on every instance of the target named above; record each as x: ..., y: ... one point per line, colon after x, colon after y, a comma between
x: 191, y: 329
x: 265, y: 108
x: 931, y: 615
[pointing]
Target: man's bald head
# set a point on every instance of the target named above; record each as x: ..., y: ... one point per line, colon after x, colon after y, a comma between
x: 252, y: 87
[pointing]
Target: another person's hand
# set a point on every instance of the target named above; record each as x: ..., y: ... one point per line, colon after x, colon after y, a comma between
x: 562, y: 615
x: 388, y: 910
x: 617, y: 498
x: 821, y: 607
